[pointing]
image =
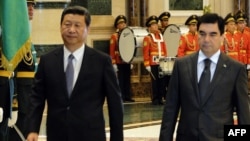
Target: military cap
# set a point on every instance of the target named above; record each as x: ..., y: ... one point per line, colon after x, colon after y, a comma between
x: 240, y: 16
x: 193, y: 19
x: 151, y: 20
x: 164, y: 15
x: 118, y: 19
x: 32, y: 2
x: 229, y: 18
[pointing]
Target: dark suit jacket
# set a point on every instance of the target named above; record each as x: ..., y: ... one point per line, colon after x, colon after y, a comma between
x: 204, y: 121
x: 79, y: 117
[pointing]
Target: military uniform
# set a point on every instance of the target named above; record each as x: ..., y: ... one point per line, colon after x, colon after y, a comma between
x: 244, y: 44
x: 155, y: 48
x: 164, y: 18
x: 5, y: 97
x: 189, y: 41
x: 231, y: 42
x: 164, y: 22
x: 24, y: 78
x: 123, y: 69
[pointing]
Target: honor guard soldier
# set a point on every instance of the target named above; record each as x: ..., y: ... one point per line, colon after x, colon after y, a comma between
x: 155, y: 48
x: 164, y: 20
x: 122, y: 68
x: 189, y: 41
x: 246, y: 28
x: 6, y: 79
x: 24, y: 78
x: 244, y: 45
x: 231, y: 41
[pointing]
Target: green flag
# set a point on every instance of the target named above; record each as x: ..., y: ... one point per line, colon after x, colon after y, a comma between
x: 15, y: 38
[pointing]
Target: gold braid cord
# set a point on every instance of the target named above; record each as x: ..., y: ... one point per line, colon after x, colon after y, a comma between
x: 28, y: 58
x: 192, y: 45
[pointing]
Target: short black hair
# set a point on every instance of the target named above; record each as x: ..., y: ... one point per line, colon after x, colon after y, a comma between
x: 212, y: 18
x: 79, y: 10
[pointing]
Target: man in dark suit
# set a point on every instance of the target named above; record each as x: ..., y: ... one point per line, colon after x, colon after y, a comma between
x: 76, y: 115
x: 202, y: 117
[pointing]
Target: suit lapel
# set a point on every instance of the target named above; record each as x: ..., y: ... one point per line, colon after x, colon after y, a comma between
x: 59, y: 68
x: 88, y: 53
x: 219, y: 73
x: 193, y: 73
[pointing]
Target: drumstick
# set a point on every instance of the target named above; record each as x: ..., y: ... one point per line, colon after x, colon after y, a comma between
x: 152, y: 75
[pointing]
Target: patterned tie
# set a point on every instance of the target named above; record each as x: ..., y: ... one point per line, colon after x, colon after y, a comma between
x: 205, y: 78
x: 70, y: 74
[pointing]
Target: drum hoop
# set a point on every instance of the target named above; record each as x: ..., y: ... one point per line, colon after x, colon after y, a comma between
x: 170, y: 25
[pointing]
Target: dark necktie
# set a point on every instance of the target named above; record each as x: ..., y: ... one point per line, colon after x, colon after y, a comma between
x: 205, y: 78
x: 70, y: 74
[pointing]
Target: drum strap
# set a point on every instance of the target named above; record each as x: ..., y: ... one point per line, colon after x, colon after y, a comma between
x: 158, y: 42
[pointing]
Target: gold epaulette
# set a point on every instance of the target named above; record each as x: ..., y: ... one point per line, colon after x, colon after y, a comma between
x: 25, y: 74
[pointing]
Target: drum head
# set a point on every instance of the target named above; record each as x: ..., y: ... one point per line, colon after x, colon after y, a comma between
x: 172, y: 37
x: 126, y: 45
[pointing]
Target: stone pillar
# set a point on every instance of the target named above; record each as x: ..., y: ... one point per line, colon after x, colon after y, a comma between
x: 248, y: 12
x: 144, y: 12
x: 137, y: 12
x: 239, y: 5
x: 133, y: 12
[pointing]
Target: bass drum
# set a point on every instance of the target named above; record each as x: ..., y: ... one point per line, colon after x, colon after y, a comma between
x: 130, y: 42
x: 171, y: 36
x: 139, y: 34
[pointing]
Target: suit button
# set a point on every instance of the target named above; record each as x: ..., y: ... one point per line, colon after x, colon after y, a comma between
x: 68, y: 107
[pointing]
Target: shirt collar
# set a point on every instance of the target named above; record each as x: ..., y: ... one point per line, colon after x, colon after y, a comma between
x: 214, y: 58
x: 77, y: 53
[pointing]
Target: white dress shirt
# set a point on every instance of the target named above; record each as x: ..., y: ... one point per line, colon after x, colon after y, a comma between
x: 200, y: 65
x: 77, y: 61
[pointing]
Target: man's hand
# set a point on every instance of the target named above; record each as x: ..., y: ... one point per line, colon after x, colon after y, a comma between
x: 32, y: 136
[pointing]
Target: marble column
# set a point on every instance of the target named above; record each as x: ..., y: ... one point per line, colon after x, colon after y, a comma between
x: 248, y: 12
x: 133, y: 12
x: 144, y: 12
x: 239, y: 5
x: 137, y: 12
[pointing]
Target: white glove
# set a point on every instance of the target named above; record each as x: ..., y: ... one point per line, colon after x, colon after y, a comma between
x: 131, y: 66
x: 148, y: 68
x: 1, y: 114
x: 13, y: 119
x: 248, y: 66
x: 115, y: 67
